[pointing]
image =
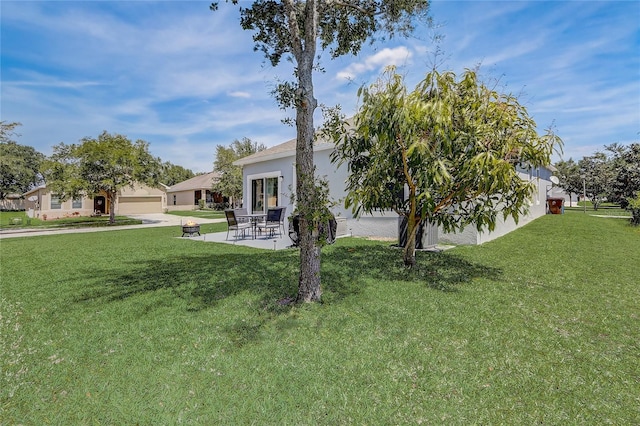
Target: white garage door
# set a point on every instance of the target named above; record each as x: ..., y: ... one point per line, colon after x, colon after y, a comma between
x: 139, y: 205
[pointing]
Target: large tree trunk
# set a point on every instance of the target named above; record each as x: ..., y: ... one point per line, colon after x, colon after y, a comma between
x: 309, y: 284
x: 409, y: 254
x: 309, y: 289
x: 112, y: 207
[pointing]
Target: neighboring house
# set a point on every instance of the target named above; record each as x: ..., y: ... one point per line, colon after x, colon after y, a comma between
x: 12, y: 202
x: 269, y: 180
x: 137, y: 200
x: 186, y: 195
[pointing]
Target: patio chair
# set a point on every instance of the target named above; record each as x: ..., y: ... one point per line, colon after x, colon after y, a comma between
x: 234, y: 225
x: 241, y: 212
x: 282, y: 216
x: 273, y: 221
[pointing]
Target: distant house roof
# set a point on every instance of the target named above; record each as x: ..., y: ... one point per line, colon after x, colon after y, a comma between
x: 32, y: 190
x: 204, y: 181
x: 286, y: 149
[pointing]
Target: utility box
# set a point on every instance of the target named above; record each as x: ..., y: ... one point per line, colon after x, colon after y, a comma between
x: 555, y: 205
x: 426, y: 235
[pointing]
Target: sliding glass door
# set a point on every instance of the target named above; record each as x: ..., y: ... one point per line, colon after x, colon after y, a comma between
x: 264, y: 194
x: 257, y: 196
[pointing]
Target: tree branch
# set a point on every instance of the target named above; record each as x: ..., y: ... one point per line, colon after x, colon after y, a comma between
x: 296, y: 40
x: 353, y: 6
x: 311, y: 28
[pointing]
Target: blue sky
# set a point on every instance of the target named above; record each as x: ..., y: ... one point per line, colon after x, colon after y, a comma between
x: 186, y: 79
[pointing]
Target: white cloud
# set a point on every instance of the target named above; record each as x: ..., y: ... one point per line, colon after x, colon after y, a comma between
x: 396, y: 56
x: 187, y: 79
x: 240, y: 94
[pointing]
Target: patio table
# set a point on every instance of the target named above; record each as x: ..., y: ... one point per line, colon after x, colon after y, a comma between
x: 254, y: 218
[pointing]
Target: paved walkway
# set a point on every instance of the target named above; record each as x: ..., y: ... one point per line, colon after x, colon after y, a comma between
x: 160, y: 219
x: 148, y: 220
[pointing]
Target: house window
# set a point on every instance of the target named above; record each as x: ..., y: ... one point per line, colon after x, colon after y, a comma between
x: 197, y: 197
x: 56, y: 204
x: 175, y: 201
x: 272, y: 191
x: 76, y: 203
x: 264, y: 193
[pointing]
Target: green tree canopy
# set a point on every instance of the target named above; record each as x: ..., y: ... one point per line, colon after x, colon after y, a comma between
x: 626, y: 184
x: 598, y: 173
x: 230, y: 183
x: 106, y: 164
x: 293, y: 28
x: 19, y: 164
x: 446, y: 152
x: 569, y: 176
x: 171, y: 174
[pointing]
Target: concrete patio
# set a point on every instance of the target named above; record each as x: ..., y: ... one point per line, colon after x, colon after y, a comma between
x: 262, y: 242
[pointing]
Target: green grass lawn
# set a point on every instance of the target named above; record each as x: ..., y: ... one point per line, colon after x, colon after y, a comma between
x: 19, y: 219
x: 605, y: 210
x: 541, y: 326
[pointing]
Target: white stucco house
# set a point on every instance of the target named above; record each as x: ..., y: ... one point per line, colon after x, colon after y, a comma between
x: 269, y: 179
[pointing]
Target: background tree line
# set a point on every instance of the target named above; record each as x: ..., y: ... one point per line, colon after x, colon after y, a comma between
x: 106, y: 163
x: 23, y: 168
x: 611, y: 175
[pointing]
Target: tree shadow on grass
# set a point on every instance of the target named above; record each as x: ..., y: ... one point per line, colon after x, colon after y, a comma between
x: 204, y: 279
x: 349, y: 266
x: 269, y: 277
x: 201, y: 280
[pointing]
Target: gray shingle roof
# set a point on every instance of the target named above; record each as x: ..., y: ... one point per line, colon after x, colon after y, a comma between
x: 204, y: 181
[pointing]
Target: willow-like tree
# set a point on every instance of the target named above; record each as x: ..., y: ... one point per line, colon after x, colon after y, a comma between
x: 293, y: 29
x: 105, y: 164
x: 446, y: 153
x: 599, y: 174
x: 569, y: 174
x: 230, y: 183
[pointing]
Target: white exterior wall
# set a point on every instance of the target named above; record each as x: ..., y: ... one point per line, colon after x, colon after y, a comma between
x: 283, y: 169
x: 379, y: 224
x: 376, y: 225
x: 470, y: 236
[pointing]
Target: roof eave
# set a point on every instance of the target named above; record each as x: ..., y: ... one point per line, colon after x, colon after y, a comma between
x: 282, y: 154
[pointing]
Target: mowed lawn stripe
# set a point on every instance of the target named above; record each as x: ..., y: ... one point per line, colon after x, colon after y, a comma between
x: 139, y: 326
